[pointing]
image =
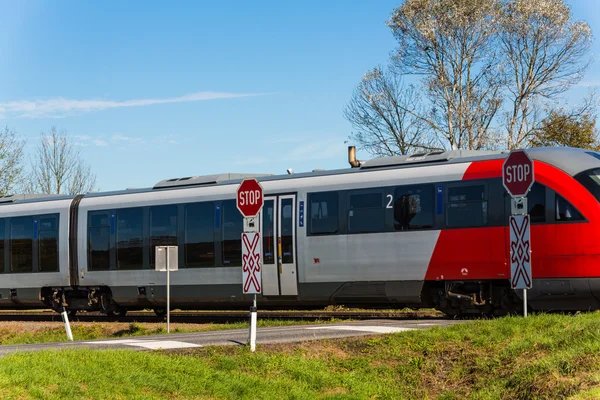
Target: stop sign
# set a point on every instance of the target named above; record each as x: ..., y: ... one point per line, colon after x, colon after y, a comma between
x: 517, y: 173
x: 249, y: 197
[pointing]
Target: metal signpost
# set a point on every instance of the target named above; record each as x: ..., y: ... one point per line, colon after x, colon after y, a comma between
x: 167, y: 260
x: 250, y: 202
x: 517, y: 178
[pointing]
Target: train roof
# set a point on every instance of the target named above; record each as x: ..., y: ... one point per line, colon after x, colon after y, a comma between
x: 570, y: 160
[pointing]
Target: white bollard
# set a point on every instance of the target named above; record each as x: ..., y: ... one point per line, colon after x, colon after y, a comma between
x: 525, y: 303
x: 65, y: 318
x: 253, y: 326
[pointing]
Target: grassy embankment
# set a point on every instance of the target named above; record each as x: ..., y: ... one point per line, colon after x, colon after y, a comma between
x: 544, y: 356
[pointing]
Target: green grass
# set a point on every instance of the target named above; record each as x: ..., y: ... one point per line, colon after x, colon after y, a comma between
x: 543, y: 356
x: 55, y: 332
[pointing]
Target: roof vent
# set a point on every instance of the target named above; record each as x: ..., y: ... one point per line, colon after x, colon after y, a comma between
x: 203, y: 180
x: 421, y: 158
x: 11, y: 198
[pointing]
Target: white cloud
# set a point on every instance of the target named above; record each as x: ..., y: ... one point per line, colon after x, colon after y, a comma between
x: 100, y: 143
x: 117, y: 138
x: 82, y: 137
x: 61, y: 107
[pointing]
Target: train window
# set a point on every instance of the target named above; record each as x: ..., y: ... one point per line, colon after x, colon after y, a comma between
x: 565, y: 211
x: 591, y: 179
x: 2, y: 224
x: 536, y: 201
x: 287, y: 228
x: 21, y: 244
x: 323, y: 213
x: 163, y: 228
x: 413, y: 207
x: 366, y: 213
x: 130, y: 233
x: 98, y: 241
x: 467, y: 206
x: 48, y: 244
x: 199, y: 247
x: 232, y: 233
x: 268, y: 232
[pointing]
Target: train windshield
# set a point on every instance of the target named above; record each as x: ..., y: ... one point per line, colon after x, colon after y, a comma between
x: 591, y: 180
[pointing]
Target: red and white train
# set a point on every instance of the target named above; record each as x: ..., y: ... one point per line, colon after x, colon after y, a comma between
x: 426, y: 230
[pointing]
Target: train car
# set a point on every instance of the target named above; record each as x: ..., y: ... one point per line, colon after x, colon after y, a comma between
x: 427, y: 230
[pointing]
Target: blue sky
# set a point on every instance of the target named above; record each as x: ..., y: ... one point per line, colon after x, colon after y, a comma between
x: 156, y: 90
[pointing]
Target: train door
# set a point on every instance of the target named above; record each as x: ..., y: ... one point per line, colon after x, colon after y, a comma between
x: 278, y: 229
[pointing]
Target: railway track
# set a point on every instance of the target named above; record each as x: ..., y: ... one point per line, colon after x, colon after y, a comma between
x: 219, y: 316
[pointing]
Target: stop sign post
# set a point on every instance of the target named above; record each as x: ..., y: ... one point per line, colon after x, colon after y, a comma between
x: 518, y: 178
x: 249, y: 202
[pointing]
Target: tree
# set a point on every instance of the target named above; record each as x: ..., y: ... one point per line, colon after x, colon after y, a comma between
x: 11, y: 161
x: 451, y: 45
x: 563, y: 128
x: 383, y: 111
x: 58, y: 167
x: 544, y: 52
x: 486, y: 68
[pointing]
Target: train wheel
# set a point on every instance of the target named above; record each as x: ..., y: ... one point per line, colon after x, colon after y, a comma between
x: 160, y: 312
x: 118, y: 312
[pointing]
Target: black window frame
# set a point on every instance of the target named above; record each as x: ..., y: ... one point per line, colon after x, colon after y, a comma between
x: 449, y: 203
x: 431, y: 190
x: 107, y: 226
x: 184, y: 229
x: 581, y: 219
x: 380, y: 208
x: 336, y: 213
x: 33, y: 245
x: 152, y: 227
x: 142, y: 238
x: 38, y: 240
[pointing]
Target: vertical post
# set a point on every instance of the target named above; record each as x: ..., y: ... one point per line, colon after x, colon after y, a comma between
x: 168, y: 292
x: 525, y: 303
x: 65, y: 318
x: 253, y: 325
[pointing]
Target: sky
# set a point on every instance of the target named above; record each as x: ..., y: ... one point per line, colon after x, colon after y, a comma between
x: 151, y: 90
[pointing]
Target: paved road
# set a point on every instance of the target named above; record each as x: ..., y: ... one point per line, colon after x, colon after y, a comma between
x: 283, y: 334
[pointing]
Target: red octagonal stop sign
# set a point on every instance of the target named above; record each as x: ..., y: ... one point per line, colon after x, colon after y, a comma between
x: 249, y: 197
x: 517, y: 173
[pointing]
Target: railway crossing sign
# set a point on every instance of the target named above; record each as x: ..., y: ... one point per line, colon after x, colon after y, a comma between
x: 249, y: 197
x: 249, y: 202
x: 517, y: 173
x: 251, y: 263
x: 520, y: 252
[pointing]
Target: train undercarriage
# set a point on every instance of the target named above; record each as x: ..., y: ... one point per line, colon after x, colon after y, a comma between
x: 491, y: 298
x: 453, y: 298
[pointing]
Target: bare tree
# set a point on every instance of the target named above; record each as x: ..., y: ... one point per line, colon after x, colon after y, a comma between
x: 11, y: 161
x: 384, y: 111
x: 544, y: 52
x: 488, y: 69
x: 58, y: 167
x: 451, y: 44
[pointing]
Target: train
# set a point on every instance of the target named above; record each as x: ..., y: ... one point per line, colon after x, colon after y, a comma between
x: 426, y: 230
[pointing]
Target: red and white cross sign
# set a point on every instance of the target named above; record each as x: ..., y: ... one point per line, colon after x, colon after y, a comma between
x: 251, y: 263
x: 520, y: 252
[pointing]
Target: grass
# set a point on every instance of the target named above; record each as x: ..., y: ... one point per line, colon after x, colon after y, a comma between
x: 543, y: 356
x: 45, y: 332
